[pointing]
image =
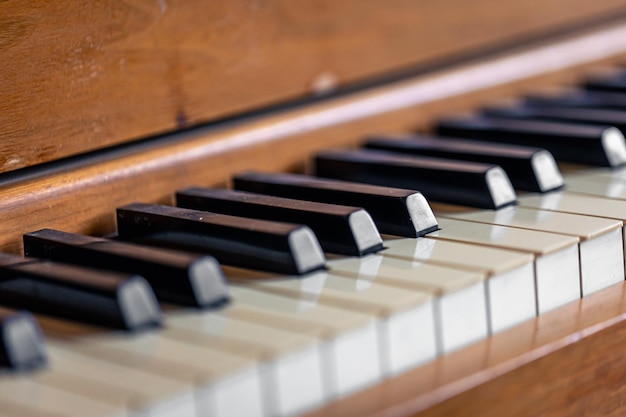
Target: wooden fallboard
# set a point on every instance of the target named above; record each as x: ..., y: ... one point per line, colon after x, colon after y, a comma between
x: 77, y: 76
x: 81, y: 196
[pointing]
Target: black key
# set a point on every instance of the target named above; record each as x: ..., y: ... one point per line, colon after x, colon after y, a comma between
x: 580, y: 143
x: 104, y: 298
x: 580, y: 98
x: 340, y: 229
x: 248, y: 243
x: 455, y: 182
x: 585, y: 115
x: 395, y: 211
x: 529, y: 169
x: 614, y: 83
x: 22, y: 346
x: 176, y: 277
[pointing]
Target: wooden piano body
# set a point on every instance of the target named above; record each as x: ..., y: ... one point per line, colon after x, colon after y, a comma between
x: 112, y: 102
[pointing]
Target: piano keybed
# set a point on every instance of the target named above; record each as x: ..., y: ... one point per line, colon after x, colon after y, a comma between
x: 349, y: 338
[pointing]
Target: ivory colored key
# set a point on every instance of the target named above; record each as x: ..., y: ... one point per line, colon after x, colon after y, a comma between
x: 16, y: 410
x: 581, y: 204
x: 286, y: 356
x: 395, y: 211
x: 575, y: 203
x: 557, y: 270
x: 612, y: 187
x: 23, y: 391
x: 510, y: 285
x: 600, y: 248
x: 604, y: 174
x: 139, y: 392
x: 407, y: 324
x: 220, y: 379
x: 348, y: 339
x: 460, y: 304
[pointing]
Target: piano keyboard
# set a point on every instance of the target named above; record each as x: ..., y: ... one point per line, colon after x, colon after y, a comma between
x: 288, y: 342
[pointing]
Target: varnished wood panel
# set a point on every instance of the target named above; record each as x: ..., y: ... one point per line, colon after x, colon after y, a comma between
x: 82, y: 197
x: 77, y: 76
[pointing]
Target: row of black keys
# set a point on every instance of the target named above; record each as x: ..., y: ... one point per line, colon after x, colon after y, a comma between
x: 336, y: 215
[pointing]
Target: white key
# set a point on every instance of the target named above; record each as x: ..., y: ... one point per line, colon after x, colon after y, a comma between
x: 600, y: 248
x: 286, y: 356
x: 594, y: 174
x: 557, y: 270
x: 407, y: 322
x: 461, y: 307
x: 510, y: 277
x: 141, y: 393
x: 221, y: 380
x: 348, y: 339
x: 15, y: 410
x: 599, y: 186
x: 23, y: 391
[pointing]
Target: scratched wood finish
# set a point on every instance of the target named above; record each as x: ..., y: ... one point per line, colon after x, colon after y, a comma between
x: 77, y: 76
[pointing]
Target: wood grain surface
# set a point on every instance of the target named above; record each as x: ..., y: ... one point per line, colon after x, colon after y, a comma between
x: 81, y: 197
x: 77, y: 76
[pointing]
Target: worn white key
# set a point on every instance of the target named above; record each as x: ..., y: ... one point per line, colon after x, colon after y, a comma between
x: 348, y: 339
x: 599, y: 186
x: 600, y: 248
x: 594, y: 174
x: 461, y: 307
x: 567, y: 202
x: 220, y: 379
x: 286, y: 356
x: 142, y: 393
x: 557, y: 270
x: 27, y: 393
x: 510, y: 277
x: 15, y: 410
x: 407, y: 323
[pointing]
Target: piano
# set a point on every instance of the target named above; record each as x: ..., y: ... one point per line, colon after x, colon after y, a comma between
x: 112, y: 103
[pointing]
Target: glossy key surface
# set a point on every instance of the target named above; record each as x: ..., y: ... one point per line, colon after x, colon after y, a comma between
x: 175, y: 276
x: 252, y: 243
x: 340, y: 229
x: 445, y: 180
x: 395, y: 211
x: 531, y: 169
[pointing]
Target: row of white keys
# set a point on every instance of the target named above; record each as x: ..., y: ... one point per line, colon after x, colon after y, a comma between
x: 140, y: 392
x: 601, y: 253
x: 27, y: 396
x: 200, y: 381
x: 510, y: 286
x: 557, y: 270
x: 348, y: 339
x: 203, y: 339
x: 460, y: 304
x: 284, y: 356
x: 405, y: 319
